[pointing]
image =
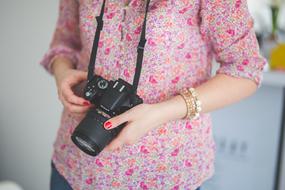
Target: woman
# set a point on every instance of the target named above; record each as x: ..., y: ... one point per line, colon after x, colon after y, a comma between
x: 160, y: 148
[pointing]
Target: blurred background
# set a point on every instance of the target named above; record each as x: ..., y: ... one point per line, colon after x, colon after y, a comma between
x: 249, y: 135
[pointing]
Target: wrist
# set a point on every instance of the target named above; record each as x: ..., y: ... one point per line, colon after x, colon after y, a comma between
x: 173, y: 108
x: 60, y: 64
x: 192, y: 102
x: 59, y: 67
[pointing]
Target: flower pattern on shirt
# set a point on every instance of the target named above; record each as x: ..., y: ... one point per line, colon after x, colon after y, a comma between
x: 182, y: 39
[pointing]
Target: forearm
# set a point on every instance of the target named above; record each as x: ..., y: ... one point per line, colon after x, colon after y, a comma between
x: 216, y: 93
x: 223, y: 90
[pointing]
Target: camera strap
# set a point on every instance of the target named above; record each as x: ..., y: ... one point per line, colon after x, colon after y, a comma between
x: 140, y: 47
x: 93, y: 56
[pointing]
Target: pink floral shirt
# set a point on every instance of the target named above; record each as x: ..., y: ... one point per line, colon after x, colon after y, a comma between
x: 182, y: 39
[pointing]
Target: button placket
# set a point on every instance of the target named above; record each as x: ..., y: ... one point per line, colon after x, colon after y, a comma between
x: 122, y: 41
x: 123, y: 23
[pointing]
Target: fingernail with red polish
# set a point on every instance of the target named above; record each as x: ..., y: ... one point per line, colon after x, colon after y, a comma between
x: 108, y: 124
x: 86, y: 103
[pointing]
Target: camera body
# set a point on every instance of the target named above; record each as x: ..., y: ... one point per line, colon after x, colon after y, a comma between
x: 110, y: 98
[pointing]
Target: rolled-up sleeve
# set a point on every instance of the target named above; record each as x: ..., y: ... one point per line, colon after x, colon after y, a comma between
x: 66, y: 37
x: 228, y: 26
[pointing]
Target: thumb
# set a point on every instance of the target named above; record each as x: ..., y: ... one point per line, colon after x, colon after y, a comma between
x: 77, y: 77
x: 81, y: 75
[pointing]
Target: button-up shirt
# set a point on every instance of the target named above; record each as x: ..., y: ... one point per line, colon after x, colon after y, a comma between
x: 183, y: 37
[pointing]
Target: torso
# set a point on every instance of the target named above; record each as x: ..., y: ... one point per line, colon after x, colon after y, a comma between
x: 176, y: 56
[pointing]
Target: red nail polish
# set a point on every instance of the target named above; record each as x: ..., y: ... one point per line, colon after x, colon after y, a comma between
x: 108, y: 124
x: 86, y: 103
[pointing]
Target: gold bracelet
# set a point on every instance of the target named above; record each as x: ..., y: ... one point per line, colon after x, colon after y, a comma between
x: 198, y: 107
x: 192, y: 102
x: 189, y: 100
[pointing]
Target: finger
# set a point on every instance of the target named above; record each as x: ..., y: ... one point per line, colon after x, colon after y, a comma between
x: 75, y: 108
x: 117, y: 120
x: 68, y: 94
x: 79, y: 115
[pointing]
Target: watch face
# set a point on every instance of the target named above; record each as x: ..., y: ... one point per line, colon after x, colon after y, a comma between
x: 102, y: 84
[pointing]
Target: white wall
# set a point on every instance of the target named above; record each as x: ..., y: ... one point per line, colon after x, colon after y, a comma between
x: 29, y: 110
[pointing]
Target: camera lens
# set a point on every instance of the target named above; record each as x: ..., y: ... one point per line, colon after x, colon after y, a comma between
x: 85, y: 143
x: 90, y: 135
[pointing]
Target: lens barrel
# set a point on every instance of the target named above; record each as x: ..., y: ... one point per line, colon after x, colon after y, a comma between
x: 90, y: 135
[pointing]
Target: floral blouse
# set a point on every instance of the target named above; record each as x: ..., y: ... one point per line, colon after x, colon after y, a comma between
x: 182, y: 39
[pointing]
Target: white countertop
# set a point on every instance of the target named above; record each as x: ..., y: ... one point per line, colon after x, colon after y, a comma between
x: 8, y: 185
x: 274, y: 78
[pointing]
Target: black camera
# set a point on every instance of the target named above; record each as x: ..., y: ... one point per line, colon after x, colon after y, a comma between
x: 110, y: 98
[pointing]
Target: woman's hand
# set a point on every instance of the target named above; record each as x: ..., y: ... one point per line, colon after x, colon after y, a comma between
x: 143, y: 118
x: 140, y: 119
x: 66, y: 78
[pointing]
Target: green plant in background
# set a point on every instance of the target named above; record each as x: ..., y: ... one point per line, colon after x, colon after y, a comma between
x: 275, y: 7
x: 274, y: 14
